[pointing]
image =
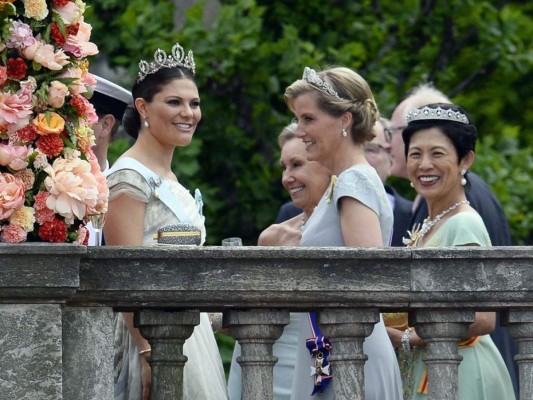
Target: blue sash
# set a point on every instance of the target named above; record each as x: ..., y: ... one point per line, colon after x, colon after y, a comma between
x: 319, y: 348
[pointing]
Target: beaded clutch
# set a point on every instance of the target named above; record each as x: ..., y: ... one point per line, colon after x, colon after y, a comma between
x: 179, y: 234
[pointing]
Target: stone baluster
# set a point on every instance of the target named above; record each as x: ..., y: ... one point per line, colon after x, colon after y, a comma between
x: 442, y: 330
x: 520, y: 326
x: 347, y: 330
x: 166, y: 332
x: 256, y: 331
x: 88, y: 353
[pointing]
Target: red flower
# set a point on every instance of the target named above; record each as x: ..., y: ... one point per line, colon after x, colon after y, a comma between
x: 60, y: 3
x: 56, y: 34
x: 27, y: 134
x: 54, y: 231
x: 73, y: 29
x: 78, y: 103
x: 51, y: 145
x: 16, y: 68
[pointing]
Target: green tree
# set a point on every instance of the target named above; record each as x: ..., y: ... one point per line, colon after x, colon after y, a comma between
x: 478, y: 52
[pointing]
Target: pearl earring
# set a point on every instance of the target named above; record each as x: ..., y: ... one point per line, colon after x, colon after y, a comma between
x: 344, y: 133
x: 412, y: 184
x: 463, y: 179
x: 146, y: 124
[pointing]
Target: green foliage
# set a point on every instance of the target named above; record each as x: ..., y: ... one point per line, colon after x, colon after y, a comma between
x: 477, y: 52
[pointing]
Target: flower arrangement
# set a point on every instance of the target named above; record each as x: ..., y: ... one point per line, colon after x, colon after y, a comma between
x: 50, y: 181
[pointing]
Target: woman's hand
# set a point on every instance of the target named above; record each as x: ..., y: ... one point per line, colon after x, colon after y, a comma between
x: 146, y: 378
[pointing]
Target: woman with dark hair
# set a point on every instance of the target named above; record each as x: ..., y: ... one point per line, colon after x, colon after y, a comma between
x: 440, y: 142
x: 336, y: 113
x: 145, y: 195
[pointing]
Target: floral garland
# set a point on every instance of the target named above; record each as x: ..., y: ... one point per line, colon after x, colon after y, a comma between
x: 50, y: 181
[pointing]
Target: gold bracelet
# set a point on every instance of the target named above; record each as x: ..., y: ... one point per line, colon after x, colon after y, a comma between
x: 144, y: 351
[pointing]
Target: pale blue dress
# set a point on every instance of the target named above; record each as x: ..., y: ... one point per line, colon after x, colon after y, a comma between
x: 382, y: 374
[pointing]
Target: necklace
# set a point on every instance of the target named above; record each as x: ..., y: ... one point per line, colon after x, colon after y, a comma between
x: 419, y: 232
x: 302, y: 224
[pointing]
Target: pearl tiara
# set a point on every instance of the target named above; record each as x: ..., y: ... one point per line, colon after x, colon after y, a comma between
x: 436, y: 113
x: 310, y: 76
x: 162, y: 60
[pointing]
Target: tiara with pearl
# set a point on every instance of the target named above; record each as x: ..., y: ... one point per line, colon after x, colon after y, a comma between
x: 310, y: 76
x: 177, y: 58
x: 436, y: 113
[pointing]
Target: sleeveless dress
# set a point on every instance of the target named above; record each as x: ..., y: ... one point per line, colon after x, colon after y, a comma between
x: 482, y: 372
x: 203, y: 373
x: 382, y: 374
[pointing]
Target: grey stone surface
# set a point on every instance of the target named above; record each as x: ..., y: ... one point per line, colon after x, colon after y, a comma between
x: 256, y: 331
x: 520, y: 325
x: 30, y: 338
x: 87, y: 353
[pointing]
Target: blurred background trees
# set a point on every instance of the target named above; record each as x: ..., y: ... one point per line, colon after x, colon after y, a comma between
x: 248, y: 51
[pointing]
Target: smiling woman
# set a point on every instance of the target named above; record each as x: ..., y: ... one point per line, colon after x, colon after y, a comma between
x: 144, y: 197
x: 440, y: 141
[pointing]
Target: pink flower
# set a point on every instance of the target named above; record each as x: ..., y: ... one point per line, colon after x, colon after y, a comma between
x: 46, y: 55
x: 15, y: 109
x: 27, y: 177
x: 11, y: 194
x: 88, y: 79
x: 28, y: 86
x: 72, y: 188
x: 14, y: 157
x: 21, y: 36
x: 79, y: 44
x: 83, y: 236
x: 57, y: 92
x: 13, y: 234
x: 70, y: 13
x: 103, y: 190
x: 42, y: 212
x: 77, y: 86
x: 3, y: 75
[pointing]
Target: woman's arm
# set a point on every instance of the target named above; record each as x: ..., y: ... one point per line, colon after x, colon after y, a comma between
x: 359, y: 224
x: 124, y: 226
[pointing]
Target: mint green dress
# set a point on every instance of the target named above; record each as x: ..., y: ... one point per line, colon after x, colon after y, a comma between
x: 482, y: 373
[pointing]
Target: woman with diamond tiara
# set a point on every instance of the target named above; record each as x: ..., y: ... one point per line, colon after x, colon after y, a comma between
x: 306, y: 181
x: 336, y: 113
x: 440, y: 141
x: 145, y: 195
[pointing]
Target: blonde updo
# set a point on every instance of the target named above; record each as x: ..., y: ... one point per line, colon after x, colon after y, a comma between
x: 355, y: 97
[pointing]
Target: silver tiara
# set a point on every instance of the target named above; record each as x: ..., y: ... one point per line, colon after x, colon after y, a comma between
x: 161, y: 60
x: 436, y: 113
x: 310, y: 76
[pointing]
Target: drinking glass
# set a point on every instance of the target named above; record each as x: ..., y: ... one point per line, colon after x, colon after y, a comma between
x: 97, y: 220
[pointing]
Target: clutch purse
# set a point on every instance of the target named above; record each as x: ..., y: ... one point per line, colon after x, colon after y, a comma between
x: 179, y: 234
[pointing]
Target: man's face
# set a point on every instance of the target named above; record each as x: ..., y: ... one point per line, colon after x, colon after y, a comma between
x: 396, y: 127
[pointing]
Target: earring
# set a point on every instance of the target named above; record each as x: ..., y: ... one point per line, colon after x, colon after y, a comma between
x: 412, y: 184
x: 344, y: 133
x: 463, y: 179
x: 146, y: 124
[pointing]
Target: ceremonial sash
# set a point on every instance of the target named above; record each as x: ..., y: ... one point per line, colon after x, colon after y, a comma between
x: 319, y: 348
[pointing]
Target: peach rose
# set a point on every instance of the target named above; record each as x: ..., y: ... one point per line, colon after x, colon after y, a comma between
x: 11, y: 195
x: 14, y: 157
x: 51, y: 124
x: 72, y: 188
x: 57, y: 92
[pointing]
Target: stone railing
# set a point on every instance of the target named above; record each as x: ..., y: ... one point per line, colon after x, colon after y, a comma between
x: 57, y: 303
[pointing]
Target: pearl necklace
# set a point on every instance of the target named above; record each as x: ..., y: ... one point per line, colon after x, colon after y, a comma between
x: 428, y: 223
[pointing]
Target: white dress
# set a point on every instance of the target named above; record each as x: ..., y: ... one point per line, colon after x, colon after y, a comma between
x: 382, y: 374
x: 203, y: 374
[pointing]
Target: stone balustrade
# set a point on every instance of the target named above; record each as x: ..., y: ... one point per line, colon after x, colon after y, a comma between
x: 57, y: 303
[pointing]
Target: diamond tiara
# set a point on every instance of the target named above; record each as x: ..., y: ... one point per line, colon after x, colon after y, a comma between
x: 436, y: 113
x: 162, y: 60
x: 310, y: 76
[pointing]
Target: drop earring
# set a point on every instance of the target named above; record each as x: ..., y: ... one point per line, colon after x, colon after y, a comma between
x: 344, y: 133
x: 463, y: 179
x: 146, y: 124
x: 412, y: 184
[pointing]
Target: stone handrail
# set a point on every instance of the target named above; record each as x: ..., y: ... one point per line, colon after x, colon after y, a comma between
x: 56, y: 304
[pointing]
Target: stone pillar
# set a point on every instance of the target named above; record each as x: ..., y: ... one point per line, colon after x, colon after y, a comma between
x: 256, y: 331
x: 30, y: 357
x: 166, y: 332
x: 520, y: 326
x: 347, y: 330
x: 442, y: 330
x: 88, y: 353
